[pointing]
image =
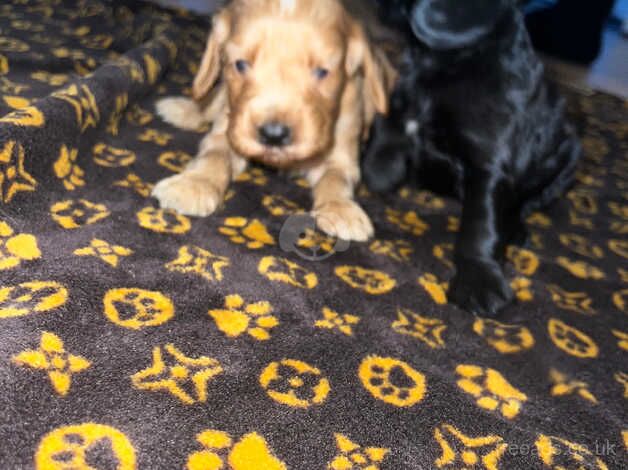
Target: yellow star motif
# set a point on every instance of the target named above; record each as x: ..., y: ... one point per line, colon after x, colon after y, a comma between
x: 52, y: 358
x: 195, y: 260
x: 428, y: 330
x: 563, y: 385
x: 184, y: 377
x: 110, y: 254
x: 13, y: 176
x: 353, y: 456
x: 81, y: 98
x: 136, y: 183
x: 333, y: 320
x: 464, y: 452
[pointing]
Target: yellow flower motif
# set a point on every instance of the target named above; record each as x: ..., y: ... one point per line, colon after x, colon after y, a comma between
x: 82, y: 100
x: 110, y: 254
x: 333, y: 320
x: 539, y: 219
x: 491, y: 390
x: 560, y: 454
x: 399, y: 250
x: 408, y: 221
x: 352, y: 456
x: 136, y: 183
x: 253, y: 175
x: 195, y: 260
x: 237, y: 318
x: 436, y: 289
x: 578, y: 302
x: 464, y: 452
x: 622, y: 378
x: 16, y: 248
x: 52, y: 358
x: 623, y: 339
x: 580, y: 269
x: 72, y: 214
x: 174, y: 161
x: 252, y: 233
x: 249, y: 453
x: 571, y: 340
x: 67, y: 170
x: 13, y: 177
x: 184, y: 377
x: 563, y: 385
x: 428, y: 330
x: 522, y: 287
x: 155, y: 136
x: 279, y: 205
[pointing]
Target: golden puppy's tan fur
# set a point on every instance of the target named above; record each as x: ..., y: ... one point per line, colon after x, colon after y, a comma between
x: 307, y: 64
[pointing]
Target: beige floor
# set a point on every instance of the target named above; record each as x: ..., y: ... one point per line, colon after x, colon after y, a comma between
x: 609, y: 73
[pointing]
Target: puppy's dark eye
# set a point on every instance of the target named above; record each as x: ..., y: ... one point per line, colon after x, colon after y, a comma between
x: 320, y: 73
x: 241, y: 66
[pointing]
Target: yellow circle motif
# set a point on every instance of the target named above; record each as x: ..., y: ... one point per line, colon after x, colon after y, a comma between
x: 392, y: 381
x: 368, y: 280
x: 294, y: 383
x: 72, y: 214
x: 571, y: 340
x: 28, y: 297
x: 163, y: 221
x: 112, y: 157
x: 67, y: 447
x: 137, y: 308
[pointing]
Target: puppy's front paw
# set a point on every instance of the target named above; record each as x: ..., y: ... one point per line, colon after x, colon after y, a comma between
x: 344, y: 219
x: 188, y: 195
x: 181, y: 112
x: 480, y: 287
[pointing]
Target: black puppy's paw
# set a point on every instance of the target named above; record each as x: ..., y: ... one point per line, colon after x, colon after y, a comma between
x: 479, y: 287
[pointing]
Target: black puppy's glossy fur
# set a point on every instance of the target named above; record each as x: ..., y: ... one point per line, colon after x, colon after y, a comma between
x: 472, y: 116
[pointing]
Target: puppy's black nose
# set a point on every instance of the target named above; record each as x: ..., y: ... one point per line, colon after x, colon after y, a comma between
x: 274, y: 134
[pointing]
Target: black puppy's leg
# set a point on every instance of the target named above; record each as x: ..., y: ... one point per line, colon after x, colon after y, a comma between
x: 479, y: 285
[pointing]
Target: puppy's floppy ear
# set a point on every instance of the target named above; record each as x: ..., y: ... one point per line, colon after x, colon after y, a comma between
x: 209, y: 70
x: 379, y: 75
x: 454, y: 24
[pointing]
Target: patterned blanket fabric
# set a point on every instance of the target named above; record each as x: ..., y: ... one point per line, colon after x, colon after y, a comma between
x: 135, y: 338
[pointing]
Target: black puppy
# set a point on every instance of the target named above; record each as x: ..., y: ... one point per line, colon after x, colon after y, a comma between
x: 472, y: 116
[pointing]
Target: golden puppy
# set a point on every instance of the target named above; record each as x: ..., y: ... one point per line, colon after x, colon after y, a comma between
x: 290, y: 83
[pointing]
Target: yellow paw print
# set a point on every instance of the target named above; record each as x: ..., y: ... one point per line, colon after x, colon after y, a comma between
x: 582, y: 246
x: 67, y: 170
x: 252, y: 233
x: 237, y: 318
x: 196, y: 260
x: 163, y: 221
x: 294, y: 383
x: 392, y: 381
x: 333, y: 320
x: 112, y: 157
x: 464, y: 452
x: 428, y: 330
x: 352, y: 456
x: 407, y: 221
x: 524, y: 261
x: 368, y: 280
x: 578, y: 302
x: 137, y: 184
x: 53, y: 358
x: 507, y: 339
x: 522, y: 287
x: 137, y: 308
x: 436, y: 289
x: 110, y: 254
x: 491, y: 390
x: 571, y: 340
x: 16, y: 248
x: 174, y: 161
x: 564, y: 385
x: 288, y: 272
x: 251, y: 452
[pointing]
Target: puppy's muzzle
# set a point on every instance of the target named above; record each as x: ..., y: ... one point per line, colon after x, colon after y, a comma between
x: 274, y: 134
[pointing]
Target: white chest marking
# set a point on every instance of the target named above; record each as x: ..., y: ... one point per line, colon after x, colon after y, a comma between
x: 287, y: 6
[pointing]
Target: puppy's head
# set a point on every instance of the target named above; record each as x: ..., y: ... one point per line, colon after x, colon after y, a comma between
x: 286, y: 64
x: 454, y: 24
